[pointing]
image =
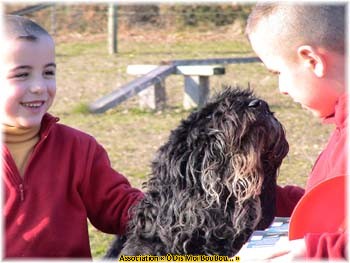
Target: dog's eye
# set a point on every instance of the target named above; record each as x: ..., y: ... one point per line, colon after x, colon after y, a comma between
x: 254, y: 103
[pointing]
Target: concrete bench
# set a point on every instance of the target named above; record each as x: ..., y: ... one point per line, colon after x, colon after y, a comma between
x: 196, y: 85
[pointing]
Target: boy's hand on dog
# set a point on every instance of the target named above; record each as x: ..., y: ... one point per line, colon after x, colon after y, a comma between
x: 293, y: 250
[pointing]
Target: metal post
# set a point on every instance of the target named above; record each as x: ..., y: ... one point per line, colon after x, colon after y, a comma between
x: 196, y: 91
x: 53, y: 20
x: 112, y: 28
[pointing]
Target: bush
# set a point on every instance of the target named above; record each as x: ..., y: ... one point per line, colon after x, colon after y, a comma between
x: 217, y: 15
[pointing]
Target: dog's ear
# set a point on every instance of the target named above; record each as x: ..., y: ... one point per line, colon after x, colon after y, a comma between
x: 144, y: 216
x: 247, y: 174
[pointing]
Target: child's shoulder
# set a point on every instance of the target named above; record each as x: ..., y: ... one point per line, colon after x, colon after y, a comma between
x: 51, y: 125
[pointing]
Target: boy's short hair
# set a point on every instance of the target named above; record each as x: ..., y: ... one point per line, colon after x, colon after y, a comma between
x: 320, y: 25
x: 19, y: 27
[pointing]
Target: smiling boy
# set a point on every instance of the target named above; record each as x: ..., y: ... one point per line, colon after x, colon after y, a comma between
x: 29, y: 62
x: 304, y: 44
x: 55, y: 177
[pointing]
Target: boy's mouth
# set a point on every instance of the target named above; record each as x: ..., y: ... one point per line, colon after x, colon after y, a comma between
x: 32, y: 104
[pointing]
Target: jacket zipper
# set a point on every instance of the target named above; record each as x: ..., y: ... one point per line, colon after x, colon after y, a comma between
x: 14, y: 176
x: 21, y: 191
x: 16, y: 179
x: 21, y: 186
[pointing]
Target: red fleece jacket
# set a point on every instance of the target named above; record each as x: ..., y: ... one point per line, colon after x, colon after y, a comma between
x: 330, y: 163
x: 68, y: 179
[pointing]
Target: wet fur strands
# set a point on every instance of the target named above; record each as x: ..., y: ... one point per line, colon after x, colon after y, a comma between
x: 213, y: 183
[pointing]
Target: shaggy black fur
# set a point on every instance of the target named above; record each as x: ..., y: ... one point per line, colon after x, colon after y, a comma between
x: 213, y: 183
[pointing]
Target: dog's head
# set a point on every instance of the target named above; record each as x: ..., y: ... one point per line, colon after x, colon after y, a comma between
x: 213, y: 182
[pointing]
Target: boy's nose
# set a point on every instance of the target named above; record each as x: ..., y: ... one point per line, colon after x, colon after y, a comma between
x: 38, y: 86
x: 283, y: 92
x: 282, y: 89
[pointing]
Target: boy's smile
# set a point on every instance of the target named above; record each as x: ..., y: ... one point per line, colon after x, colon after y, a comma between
x: 30, y: 82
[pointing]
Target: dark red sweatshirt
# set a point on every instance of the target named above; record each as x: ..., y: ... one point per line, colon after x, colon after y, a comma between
x: 330, y: 163
x: 68, y: 179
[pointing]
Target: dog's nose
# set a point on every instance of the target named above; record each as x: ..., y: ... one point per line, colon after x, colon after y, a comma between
x: 254, y: 103
x: 264, y: 106
x: 258, y: 103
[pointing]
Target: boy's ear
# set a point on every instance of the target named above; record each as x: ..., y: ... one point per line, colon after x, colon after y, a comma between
x: 312, y: 59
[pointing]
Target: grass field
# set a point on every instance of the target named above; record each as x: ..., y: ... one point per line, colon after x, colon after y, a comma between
x: 131, y: 136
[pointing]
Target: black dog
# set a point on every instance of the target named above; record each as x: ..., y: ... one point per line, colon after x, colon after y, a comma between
x: 213, y: 183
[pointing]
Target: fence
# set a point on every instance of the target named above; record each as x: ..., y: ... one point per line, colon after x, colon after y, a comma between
x: 155, y: 28
x: 80, y: 19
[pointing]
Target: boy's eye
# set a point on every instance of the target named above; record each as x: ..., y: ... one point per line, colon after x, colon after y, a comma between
x: 19, y: 75
x: 50, y: 73
x: 274, y: 72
